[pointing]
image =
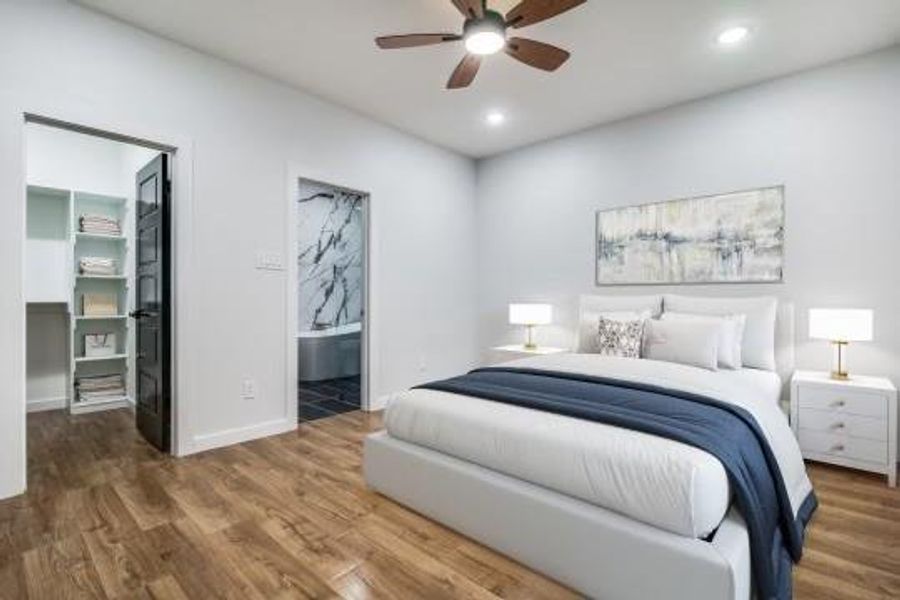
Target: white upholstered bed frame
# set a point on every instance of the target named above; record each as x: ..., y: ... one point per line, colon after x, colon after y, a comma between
x: 593, y: 550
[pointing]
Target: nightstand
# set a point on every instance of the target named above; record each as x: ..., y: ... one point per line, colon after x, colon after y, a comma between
x: 852, y: 423
x: 502, y: 354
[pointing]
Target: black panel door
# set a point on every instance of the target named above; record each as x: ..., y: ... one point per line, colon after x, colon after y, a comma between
x: 152, y: 312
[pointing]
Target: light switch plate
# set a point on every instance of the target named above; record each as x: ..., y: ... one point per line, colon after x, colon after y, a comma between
x: 269, y: 261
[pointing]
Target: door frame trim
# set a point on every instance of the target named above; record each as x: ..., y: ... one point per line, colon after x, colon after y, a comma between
x: 294, y: 174
x: 181, y: 149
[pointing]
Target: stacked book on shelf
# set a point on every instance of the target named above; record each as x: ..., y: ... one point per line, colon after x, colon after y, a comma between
x: 97, y: 265
x: 100, y: 387
x: 100, y: 225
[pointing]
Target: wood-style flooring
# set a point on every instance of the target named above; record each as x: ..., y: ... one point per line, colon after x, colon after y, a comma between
x: 290, y: 516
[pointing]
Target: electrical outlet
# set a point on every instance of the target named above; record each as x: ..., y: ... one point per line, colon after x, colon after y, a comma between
x: 248, y: 389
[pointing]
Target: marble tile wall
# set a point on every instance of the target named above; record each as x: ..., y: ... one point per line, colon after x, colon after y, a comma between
x: 330, y: 256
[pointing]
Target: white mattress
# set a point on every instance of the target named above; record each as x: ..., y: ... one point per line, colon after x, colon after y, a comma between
x: 660, y: 482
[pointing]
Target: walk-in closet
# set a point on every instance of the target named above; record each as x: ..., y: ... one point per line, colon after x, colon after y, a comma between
x: 79, y: 270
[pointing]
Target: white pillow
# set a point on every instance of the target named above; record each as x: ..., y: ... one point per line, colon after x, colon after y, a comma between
x: 692, y: 343
x: 731, y: 334
x: 619, y: 307
x: 758, y: 345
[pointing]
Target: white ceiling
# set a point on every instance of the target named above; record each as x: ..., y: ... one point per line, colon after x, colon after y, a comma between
x: 628, y: 56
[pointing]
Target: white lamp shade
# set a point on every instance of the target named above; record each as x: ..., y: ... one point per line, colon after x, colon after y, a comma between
x: 840, y: 324
x: 530, y: 314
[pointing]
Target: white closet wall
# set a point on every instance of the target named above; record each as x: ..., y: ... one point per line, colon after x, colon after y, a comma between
x: 47, y: 358
x: 62, y: 159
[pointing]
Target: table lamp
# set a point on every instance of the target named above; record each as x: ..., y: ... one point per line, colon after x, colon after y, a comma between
x: 840, y: 326
x: 530, y: 315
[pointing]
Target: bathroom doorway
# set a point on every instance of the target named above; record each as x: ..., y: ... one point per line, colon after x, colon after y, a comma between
x: 331, y: 299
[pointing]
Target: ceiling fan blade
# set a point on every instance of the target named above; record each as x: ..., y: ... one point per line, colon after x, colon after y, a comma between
x: 529, y: 12
x: 465, y: 72
x: 391, y: 42
x: 471, y: 9
x: 536, y: 54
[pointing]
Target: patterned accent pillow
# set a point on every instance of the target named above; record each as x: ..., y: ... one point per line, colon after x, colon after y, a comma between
x: 620, y: 338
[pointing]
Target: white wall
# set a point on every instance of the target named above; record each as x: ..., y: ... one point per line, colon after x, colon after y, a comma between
x: 62, y: 61
x: 831, y: 136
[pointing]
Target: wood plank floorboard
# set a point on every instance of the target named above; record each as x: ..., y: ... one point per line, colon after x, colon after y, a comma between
x: 106, y: 516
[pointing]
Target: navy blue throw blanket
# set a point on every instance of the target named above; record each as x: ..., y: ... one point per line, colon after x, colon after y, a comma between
x: 728, y: 432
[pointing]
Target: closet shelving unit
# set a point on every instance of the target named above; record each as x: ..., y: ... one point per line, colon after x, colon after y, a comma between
x: 54, y: 247
x: 107, y: 246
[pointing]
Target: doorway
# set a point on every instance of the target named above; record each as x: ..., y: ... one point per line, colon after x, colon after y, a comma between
x: 332, y: 274
x: 97, y: 279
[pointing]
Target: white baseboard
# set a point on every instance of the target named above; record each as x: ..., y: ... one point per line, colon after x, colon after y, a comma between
x: 380, y: 403
x: 46, y: 404
x: 229, y: 437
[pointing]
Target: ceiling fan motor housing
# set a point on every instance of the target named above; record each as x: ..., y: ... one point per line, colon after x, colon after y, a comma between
x: 491, y: 21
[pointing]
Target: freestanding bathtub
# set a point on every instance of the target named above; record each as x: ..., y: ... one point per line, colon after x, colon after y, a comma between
x: 329, y: 353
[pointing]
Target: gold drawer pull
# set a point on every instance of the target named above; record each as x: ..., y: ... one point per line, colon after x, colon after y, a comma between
x: 838, y: 426
x: 837, y: 448
x: 838, y: 404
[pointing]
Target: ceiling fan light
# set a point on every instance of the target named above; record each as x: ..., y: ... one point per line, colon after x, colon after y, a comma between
x: 485, y: 37
x: 485, y: 42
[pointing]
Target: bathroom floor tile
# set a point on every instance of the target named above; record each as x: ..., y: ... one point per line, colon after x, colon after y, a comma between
x: 335, y: 406
x: 320, y: 399
x: 311, y: 412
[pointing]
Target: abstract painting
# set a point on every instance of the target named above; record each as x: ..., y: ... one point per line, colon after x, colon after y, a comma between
x: 727, y: 238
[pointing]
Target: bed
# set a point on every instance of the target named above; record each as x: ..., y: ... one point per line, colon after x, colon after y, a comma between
x: 610, y: 511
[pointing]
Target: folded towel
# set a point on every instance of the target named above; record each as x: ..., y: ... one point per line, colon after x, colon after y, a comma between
x: 101, y: 224
x: 96, y: 265
x: 99, y: 219
x: 99, y: 387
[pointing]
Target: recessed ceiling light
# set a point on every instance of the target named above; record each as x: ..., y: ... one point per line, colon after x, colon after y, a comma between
x: 733, y: 36
x: 495, y: 118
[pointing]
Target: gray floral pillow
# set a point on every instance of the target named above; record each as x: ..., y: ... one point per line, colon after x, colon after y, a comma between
x: 619, y: 338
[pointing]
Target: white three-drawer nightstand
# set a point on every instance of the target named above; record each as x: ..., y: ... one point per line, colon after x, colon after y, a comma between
x: 852, y: 423
x: 502, y: 354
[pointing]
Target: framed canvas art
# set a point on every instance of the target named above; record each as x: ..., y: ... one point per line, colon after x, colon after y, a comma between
x: 736, y: 237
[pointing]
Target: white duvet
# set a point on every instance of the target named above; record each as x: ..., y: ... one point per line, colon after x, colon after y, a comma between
x: 658, y: 481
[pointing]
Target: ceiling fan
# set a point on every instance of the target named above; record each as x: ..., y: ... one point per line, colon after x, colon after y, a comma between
x: 485, y: 33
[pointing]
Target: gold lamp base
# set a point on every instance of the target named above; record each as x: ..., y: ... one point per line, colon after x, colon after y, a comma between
x: 529, y: 341
x: 839, y: 367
